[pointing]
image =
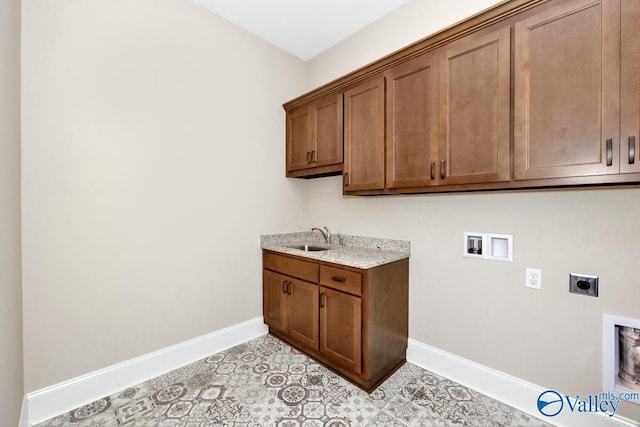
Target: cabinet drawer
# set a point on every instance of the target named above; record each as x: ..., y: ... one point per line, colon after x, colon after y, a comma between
x: 292, y: 267
x: 342, y: 280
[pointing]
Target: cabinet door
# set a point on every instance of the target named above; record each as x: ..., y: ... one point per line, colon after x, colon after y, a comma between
x: 412, y: 123
x: 304, y: 318
x: 341, y: 328
x: 475, y: 109
x: 567, y: 91
x: 275, y: 300
x: 326, y: 125
x: 299, y: 139
x: 364, y: 136
x: 630, y: 90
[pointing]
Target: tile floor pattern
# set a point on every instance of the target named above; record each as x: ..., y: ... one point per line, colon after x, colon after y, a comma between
x: 265, y: 382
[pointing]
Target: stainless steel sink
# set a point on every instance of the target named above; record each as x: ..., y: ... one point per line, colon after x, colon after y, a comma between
x: 310, y: 248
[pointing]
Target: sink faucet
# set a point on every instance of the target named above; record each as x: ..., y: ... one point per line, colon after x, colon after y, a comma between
x: 327, y: 235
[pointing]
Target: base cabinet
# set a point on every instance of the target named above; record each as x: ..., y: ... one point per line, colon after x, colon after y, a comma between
x: 340, y: 332
x: 354, y: 321
x: 291, y: 306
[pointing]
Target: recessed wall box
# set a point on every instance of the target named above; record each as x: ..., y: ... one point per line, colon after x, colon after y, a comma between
x: 500, y: 247
x: 474, y: 245
x: 497, y: 247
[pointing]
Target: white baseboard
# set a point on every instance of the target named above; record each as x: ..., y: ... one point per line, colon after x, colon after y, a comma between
x: 513, y: 391
x: 49, y: 402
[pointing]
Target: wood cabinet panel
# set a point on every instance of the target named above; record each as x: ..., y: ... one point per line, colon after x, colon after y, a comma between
x: 341, y: 280
x: 275, y: 302
x: 304, y: 315
x: 341, y: 328
x: 291, y: 306
x: 326, y: 119
x: 412, y: 122
x: 314, y: 137
x: 304, y: 270
x: 630, y: 88
x: 567, y: 91
x: 299, y: 139
x: 364, y: 136
x: 475, y: 113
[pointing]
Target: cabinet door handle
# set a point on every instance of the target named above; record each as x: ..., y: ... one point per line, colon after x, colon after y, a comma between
x: 308, y: 156
x: 322, y: 300
x: 338, y: 279
x: 286, y: 287
x: 433, y: 170
x: 442, y: 171
x: 313, y: 156
x: 609, y: 152
x: 632, y: 150
x: 345, y: 179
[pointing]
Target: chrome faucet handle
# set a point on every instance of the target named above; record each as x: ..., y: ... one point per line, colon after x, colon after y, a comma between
x: 340, y: 239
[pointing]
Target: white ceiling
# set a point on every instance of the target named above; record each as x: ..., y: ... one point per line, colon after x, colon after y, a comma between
x: 303, y: 28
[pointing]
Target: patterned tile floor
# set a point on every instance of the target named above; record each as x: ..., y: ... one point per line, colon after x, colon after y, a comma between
x: 265, y: 382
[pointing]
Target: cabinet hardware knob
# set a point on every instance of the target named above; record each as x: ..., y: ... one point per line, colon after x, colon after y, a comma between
x: 322, y: 300
x: 338, y: 279
x: 609, y: 152
x: 632, y: 149
x: 442, y: 171
x: 433, y: 170
x: 345, y: 179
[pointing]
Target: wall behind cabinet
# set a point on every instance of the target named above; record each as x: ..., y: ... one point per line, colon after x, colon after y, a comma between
x: 10, y: 276
x: 480, y: 310
x: 153, y: 149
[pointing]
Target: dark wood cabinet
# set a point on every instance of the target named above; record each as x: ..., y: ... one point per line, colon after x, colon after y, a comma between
x: 448, y: 118
x: 364, y: 136
x: 314, y: 138
x: 412, y: 123
x: 528, y: 94
x: 340, y: 328
x: 275, y: 302
x: 303, y: 313
x: 567, y: 91
x: 630, y: 88
x: 475, y: 109
x: 354, y: 321
x: 291, y: 306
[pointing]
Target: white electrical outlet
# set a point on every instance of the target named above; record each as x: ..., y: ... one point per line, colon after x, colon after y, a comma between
x: 534, y: 278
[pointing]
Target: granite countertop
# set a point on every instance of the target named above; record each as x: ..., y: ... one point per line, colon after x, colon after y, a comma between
x: 357, y: 251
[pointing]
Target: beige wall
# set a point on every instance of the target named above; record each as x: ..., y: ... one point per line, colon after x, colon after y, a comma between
x: 481, y: 310
x: 153, y: 158
x: 10, y: 287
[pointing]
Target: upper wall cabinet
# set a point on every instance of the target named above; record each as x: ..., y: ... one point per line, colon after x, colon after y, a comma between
x: 364, y: 136
x: 567, y: 91
x: 314, y: 138
x: 447, y: 119
x: 475, y: 109
x: 528, y: 94
x: 412, y: 123
x: 630, y: 88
